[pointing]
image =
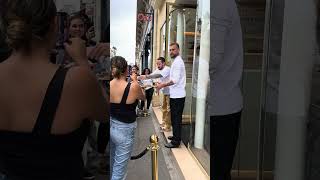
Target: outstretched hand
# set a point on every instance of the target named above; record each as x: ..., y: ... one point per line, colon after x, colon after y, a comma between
x: 102, y: 49
x: 76, y: 50
x: 142, y: 77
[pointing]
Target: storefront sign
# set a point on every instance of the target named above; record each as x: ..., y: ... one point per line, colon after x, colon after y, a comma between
x: 144, y: 17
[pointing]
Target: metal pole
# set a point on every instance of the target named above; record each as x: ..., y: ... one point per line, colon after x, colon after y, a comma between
x: 203, y: 73
x: 145, y: 110
x: 167, y: 33
x: 154, y: 156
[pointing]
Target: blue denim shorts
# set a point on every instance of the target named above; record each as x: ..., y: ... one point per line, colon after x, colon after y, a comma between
x: 121, y: 147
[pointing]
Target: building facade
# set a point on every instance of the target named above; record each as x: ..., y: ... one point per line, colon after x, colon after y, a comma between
x: 160, y: 22
x: 279, y: 133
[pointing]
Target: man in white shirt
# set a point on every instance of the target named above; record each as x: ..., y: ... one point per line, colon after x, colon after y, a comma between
x: 176, y: 84
x: 163, y: 72
x: 225, y: 99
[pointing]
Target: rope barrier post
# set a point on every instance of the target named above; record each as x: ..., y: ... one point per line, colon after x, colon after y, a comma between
x: 154, y: 155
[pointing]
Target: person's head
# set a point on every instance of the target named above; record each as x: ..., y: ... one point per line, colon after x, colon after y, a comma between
x: 174, y: 50
x: 135, y: 69
x: 161, y: 62
x: 29, y: 24
x: 76, y: 26
x: 119, y: 67
x: 146, y: 71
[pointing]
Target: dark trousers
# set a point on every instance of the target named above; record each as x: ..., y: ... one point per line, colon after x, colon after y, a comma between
x: 149, y: 94
x: 176, y: 106
x: 104, y: 128
x: 103, y: 137
x: 224, y: 137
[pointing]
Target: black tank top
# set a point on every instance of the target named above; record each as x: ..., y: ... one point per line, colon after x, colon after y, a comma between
x: 40, y: 155
x: 124, y: 112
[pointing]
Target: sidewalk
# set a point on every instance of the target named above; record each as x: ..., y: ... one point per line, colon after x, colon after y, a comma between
x: 140, y: 169
x: 190, y: 168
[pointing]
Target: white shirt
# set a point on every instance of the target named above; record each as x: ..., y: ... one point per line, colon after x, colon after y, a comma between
x: 165, y: 73
x: 148, y: 83
x: 226, y: 59
x: 178, y: 77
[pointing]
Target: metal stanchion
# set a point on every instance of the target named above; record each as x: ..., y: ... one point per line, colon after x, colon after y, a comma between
x: 154, y: 155
x: 154, y: 147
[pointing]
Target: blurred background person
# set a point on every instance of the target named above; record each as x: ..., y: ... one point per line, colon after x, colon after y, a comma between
x: 96, y: 53
x: 78, y: 27
x: 148, y: 85
x: 135, y: 70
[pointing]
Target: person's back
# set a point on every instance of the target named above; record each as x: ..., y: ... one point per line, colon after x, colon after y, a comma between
x: 227, y: 59
x: 28, y: 140
x: 44, y: 108
x: 117, y: 88
x: 123, y: 97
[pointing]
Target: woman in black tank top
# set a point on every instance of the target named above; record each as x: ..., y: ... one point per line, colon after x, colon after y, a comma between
x: 123, y: 102
x: 44, y: 109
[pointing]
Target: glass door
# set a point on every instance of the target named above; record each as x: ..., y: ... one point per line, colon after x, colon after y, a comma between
x: 290, y: 107
x: 253, y: 19
x: 270, y: 91
x: 199, y: 141
x: 180, y: 27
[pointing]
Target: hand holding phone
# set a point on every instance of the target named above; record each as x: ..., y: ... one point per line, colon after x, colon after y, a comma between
x: 90, y: 33
x: 101, y: 49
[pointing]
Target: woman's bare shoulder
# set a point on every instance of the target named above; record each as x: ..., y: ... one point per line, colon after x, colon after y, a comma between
x: 81, y: 73
x: 81, y: 78
x: 135, y: 85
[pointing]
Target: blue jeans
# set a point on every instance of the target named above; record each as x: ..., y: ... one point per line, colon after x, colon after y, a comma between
x: 121, y: 146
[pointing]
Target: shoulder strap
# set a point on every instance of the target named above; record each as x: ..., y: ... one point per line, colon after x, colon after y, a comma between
x: 125, y: 94
x: 50, y: 103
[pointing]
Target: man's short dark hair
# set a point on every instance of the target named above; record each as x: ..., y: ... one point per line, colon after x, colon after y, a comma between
x: 162, y: 59
x: 175, y: 43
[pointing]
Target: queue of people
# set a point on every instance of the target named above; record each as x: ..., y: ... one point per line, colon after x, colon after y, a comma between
x: 124, y: 96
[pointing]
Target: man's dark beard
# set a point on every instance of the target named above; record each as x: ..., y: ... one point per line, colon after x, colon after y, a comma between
x: 174, y: 56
